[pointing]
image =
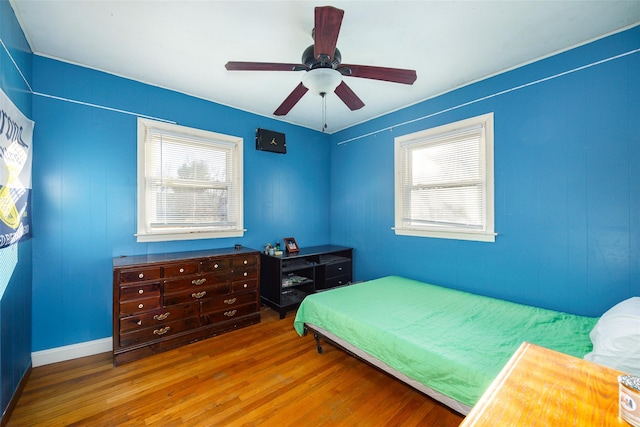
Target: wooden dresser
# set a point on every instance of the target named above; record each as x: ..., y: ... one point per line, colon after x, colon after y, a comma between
x: 541, y: 387
x: 167, y: 300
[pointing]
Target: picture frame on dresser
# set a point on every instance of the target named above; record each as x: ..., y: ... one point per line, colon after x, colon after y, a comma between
x: 291, y: 245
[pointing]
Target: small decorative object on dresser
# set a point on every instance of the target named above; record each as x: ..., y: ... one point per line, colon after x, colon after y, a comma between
x: 167, y: 300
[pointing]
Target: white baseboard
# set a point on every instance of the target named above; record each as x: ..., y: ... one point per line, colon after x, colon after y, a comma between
x: 74, y: 351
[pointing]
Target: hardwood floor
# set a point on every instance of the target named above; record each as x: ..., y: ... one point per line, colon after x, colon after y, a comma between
x: 258, y: 376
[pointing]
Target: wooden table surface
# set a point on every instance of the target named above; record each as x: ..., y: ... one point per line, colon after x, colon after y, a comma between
x: 542, y: 387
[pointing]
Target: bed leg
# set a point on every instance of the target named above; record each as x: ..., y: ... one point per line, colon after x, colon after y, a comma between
x: 318, y: 346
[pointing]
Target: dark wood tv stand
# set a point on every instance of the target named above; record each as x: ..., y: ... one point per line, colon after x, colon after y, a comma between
x: 285, y: 280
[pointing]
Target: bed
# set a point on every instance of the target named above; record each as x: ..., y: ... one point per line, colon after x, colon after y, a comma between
x: 446, y: 343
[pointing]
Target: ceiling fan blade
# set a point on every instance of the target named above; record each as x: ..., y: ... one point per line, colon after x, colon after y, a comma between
x: 291, y: 100
x: 263, y: 66
x: 349, y: 97
x: 327, y: 27
x: 395, y: 75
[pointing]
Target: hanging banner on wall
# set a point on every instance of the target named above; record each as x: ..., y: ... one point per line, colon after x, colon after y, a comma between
x: 16, y: 134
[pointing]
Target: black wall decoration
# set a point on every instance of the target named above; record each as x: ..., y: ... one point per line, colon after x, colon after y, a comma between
x: 267, y: 140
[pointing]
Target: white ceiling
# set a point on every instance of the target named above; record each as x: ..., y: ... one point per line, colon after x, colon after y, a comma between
x: 183, y: 45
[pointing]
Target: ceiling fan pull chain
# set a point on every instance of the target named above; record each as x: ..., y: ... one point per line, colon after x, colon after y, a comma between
x: 324, y: 111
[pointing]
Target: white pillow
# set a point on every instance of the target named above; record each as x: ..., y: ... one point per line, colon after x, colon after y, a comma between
x: 616, y: 337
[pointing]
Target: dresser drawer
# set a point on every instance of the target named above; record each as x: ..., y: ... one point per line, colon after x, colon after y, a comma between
x: 195, y: 282
x: 246, y: 261
x: 198, y: 294
x: 245, y: 273
x: 229, y: 301
x: 138, y: 291
x: 244, y: 285
x: 161, y: 331
x: 139, y: 274
x: 139, y: 305
x: 339, y: 269
x: 182, y: 269
x: 157, y: 317
x: 229, y: 314
x: 215, y: 264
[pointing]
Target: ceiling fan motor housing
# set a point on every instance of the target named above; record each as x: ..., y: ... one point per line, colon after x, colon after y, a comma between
x: 310, y: 61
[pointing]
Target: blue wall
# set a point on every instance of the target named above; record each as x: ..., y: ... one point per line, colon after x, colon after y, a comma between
x: 84, y: 184
x: 15, y: 261
x: 567, y: 185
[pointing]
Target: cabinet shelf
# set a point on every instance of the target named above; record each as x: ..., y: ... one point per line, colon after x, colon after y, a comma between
x: 286, y: 280
x: 292, y: 296
x: 294, y: 280
x: 326, y: 259
x: 296, y: 265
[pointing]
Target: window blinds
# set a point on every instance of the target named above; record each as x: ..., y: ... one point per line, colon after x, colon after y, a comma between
x: 443, y: 182
x: 189, y: 181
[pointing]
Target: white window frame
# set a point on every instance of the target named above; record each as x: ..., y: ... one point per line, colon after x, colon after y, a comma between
x: 403, y: 145
x: 145, y: 231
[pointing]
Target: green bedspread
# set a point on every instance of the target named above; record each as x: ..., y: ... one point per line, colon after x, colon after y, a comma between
x: 451, y: 341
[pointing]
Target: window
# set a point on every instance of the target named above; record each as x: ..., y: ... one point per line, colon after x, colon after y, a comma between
x: 444, y: 181
x: 189, y: 183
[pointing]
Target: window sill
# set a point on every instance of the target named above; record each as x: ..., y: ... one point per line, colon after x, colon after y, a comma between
x: 167, y: 237
x: 480, y: 236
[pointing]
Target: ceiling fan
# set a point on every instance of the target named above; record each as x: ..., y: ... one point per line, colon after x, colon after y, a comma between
x: 324, y: 70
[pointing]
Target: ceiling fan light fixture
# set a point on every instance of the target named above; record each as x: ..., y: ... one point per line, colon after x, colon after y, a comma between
x: 322, y: 80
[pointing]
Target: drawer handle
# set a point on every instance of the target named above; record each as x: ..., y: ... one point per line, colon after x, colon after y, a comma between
x: 140, y: 305
x: 141, y: 291
x: 230, y: 301
x: 245, y: 274
x: 141, y: 275
x: 230, y: 313
x: 182, y: 270
x: 199, y: 294
x: 245, y: 262
x: 215, y: 265
x: 198, y: 282
x: 162, y: 316
x: 162, y: 331
x: 245, y: 285
x: 339, y: 268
